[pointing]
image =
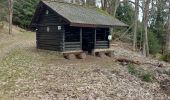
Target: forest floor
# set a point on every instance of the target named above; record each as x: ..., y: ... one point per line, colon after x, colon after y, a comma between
x: 30, y: 74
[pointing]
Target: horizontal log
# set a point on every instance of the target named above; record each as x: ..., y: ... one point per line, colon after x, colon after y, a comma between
x: 49, y: 48
x: 71, y: 49
x: 49, y: 38
x: 72, y: 43
x: 50, y: 41
x: 72, y: 46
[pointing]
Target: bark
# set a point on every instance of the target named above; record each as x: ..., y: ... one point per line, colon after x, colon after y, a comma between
x: 145, y: 21
x: 115, y: 7
x: 135, y: 25
x: 91, y: 2
x: 104, y: 4
x: 82, y: 2
x: 10, y: 8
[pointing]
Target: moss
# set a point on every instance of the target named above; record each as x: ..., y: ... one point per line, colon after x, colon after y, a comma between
x: 94, y: 8
x: 103, y: 12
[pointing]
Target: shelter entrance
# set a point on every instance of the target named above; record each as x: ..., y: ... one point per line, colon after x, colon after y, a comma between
x: 88, y: 39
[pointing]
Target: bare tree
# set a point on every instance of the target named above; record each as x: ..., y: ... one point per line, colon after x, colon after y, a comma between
x: 145, y: 23
x: 135, y: 25
x: 10, y: 9
x: 104, y: 4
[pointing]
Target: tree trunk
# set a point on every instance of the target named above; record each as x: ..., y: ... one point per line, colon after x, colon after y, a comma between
x: 115, y: 7
x: 104, y: 4
x: 145, y: 43
x: 91, y: 2
x: 10, y: 8
x: 82, y: 2
x: 135, y: 25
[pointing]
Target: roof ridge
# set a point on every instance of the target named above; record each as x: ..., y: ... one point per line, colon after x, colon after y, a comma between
x: 86, y: 6
x: 55, y: 1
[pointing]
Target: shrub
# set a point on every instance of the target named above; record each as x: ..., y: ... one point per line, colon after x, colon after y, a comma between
x: 165, y: 57
x: 131, y: 69
x: 145, y: 76
x: 154, y: 46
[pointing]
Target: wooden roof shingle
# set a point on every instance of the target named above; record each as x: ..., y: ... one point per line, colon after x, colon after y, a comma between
x: 77, y: 14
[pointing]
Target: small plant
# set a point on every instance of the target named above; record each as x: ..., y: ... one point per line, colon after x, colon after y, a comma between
x: 131, y: 69
x: 148, y: 77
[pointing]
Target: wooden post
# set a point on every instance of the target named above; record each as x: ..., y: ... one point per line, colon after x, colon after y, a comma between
x: 81, y: 38
x: 10, y: 8
x: 110, y: 33
x: 95, y: 38
x: 63, y: 38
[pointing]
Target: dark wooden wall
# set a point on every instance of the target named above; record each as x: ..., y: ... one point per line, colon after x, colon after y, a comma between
x: 77, y: 38
x: 72, y: 38
x: 102, y: 41
x: 51, y: 38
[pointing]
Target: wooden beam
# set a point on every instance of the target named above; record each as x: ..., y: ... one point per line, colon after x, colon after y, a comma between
x: 95, y: 38
x: 110, y: 33
x: 63, y: 38
x: 81, y: 37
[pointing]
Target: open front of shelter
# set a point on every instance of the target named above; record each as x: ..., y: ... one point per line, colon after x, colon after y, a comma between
x: 68, y: 27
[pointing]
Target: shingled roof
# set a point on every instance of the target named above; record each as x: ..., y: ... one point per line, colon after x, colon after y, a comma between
x: 77, y: 14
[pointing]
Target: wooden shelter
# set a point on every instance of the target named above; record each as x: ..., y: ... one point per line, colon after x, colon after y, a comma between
x: 68, y: 27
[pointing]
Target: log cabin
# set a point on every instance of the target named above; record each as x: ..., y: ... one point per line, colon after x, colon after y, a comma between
x: 70, y: 28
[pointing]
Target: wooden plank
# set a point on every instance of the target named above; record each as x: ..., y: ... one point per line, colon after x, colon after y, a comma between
x: 69, y: 43
x: 101, y: 42
x: 72, y: 46
x: 75, y: 51
x: 81, y: 38
x: 72, y: 49
x: 95, y: 38
x: 64, y: 32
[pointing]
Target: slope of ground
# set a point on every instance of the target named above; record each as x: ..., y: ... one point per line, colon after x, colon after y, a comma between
x: 30, y: 74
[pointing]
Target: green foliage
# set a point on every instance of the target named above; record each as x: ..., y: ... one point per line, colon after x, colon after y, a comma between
x: 132, y: 70
x: 102, y: 11
x: 24, y: 11
x: 154, y: 45
x: 165, y: 57
x: 3, y: 10
x: 148, y: 77
x: 145, y: 76
x: 125, y: 13
x: 158, y: 20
